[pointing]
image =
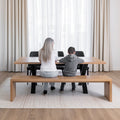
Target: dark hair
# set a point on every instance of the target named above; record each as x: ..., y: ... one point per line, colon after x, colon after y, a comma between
x: 71, y: 50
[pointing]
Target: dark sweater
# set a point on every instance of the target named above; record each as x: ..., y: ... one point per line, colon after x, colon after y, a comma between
x: 71, y: 62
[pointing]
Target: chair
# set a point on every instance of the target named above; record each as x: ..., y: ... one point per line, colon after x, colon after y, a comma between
x: 80, y: 53
x: 30, y: 66
x: 60, y: 66
x: 83, y: 68
x: 60, y: 54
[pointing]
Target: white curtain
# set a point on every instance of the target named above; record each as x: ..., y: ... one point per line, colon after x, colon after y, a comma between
x: 13, y: 33
x: 25, y: 24
x: 68, y: 22
x: 101, y: 33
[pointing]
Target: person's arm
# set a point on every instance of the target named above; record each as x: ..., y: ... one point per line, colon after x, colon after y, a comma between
x: 39, y: 56
x: 55, y: 54
x: 80, y: 60
x: 63, y: 60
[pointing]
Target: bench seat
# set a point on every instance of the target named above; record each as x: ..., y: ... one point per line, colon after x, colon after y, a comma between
x: 82, y: 79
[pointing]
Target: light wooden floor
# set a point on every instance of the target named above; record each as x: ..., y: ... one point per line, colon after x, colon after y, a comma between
x: 61, y: 114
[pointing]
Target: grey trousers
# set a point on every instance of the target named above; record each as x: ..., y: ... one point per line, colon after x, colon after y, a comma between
x: 48, y: 74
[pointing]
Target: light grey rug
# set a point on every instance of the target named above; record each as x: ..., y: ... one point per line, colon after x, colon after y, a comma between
x: 54, y: 99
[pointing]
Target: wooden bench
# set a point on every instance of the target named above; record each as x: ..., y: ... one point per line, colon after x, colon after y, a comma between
x: 105, y: 79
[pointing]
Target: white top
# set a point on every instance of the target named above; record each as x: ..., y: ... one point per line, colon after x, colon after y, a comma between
x: 50, y: 64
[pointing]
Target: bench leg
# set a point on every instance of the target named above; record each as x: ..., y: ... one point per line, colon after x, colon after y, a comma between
x: 12, y: 90
x: 108, y: 90
x: 84, y: 87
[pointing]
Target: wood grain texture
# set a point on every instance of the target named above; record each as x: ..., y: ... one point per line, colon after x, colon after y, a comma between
x: 59, y: 114
x: 107, y: 80
x: 12, y: 90
x: 34, y: 60
x: 96, y: 78
x: 108, y: 90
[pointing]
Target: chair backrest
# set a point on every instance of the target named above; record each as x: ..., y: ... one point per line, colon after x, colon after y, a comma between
x: 80, y: 53
x: 34, y: 54
x: 60, y: 54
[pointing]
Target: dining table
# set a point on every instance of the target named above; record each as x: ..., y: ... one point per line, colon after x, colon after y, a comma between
x: 35, y: 61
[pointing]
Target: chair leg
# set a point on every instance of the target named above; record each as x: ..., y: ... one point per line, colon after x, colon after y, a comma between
x: 88, y: 74
x: 79, y: 82
x: 87, y: 71
x: 33, y: 88
x: 84, y: 86
x: 27, y: 75
x: 30, y: 72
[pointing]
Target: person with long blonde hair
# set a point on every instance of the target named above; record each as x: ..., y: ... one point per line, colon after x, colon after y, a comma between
x: 47, y: 57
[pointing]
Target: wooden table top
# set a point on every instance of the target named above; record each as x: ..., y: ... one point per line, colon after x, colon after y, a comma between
x: 34, y: 60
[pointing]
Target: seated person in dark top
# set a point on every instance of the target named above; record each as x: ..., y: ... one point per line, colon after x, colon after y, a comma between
x: 71, y: 61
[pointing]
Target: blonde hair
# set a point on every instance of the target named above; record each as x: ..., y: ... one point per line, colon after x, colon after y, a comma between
x: 47, y: 49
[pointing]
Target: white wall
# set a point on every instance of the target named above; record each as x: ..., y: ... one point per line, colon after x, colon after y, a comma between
x: 115, y: 34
